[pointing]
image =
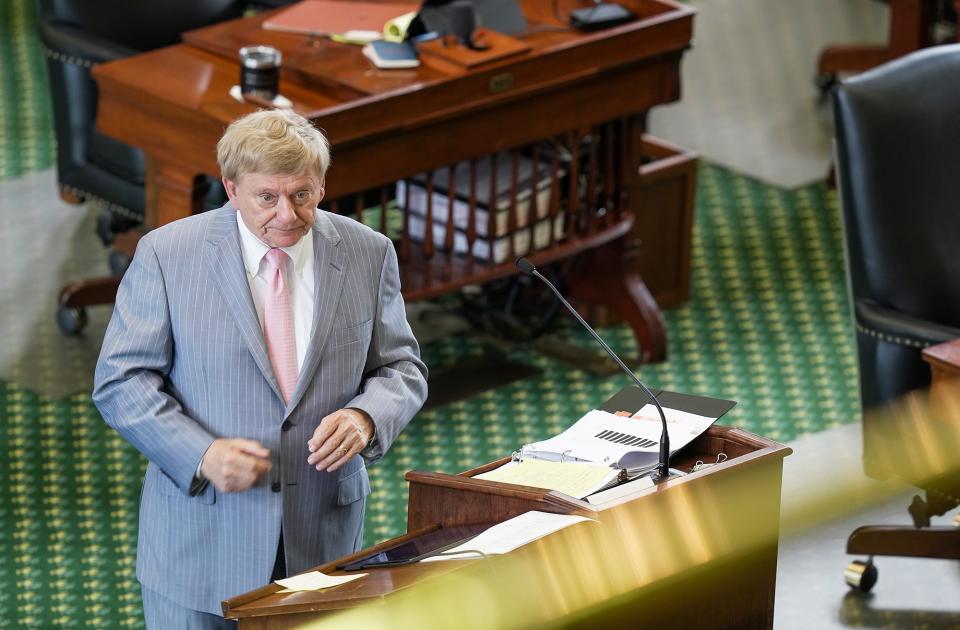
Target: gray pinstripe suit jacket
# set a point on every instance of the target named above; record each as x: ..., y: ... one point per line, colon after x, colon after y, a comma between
x: 184, y: 362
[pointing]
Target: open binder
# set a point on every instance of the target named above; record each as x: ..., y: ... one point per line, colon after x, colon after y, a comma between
x: 608, y: 449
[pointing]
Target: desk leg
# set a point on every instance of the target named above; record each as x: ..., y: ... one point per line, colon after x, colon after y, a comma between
x: 171, y: 193
x: 603, y: 279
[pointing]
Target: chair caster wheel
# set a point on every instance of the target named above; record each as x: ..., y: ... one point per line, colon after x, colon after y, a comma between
x: 861, y: 575
x: 71, y: 320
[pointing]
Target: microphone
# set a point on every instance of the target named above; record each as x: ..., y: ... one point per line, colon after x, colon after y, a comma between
x: 663, y: 467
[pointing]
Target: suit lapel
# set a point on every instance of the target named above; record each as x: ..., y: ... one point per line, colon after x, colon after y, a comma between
x: 223, y: 259
x: 328, y: 272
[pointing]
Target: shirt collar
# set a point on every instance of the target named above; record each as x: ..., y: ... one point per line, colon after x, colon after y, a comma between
x: 253, y: 250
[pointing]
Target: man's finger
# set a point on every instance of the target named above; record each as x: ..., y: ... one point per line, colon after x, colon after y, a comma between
x: 340, y: 462
x: 323, y: 432
x: 334, y: 441
x: 252, y: 447
x: 345, y: 450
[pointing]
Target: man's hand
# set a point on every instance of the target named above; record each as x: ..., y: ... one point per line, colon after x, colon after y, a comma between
x: 340, y: 436
x: 234, y: 465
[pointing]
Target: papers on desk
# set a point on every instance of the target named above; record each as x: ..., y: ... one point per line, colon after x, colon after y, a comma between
x: 625, y: 443
x: 314, y: 581
x: 509, y: 535
x: 575, y: 479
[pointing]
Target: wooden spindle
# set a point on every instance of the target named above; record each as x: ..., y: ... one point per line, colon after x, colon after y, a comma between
x: 404, y: 253
x: 609, y: 172
x: 384, y: 204
x: 533, y: 209
x: 555, y: 189
x: 428, y: 219
x: 573, y: 192
x: 472, y: 212
x: 512, y: 210
x: 623, y: 183
x: 492, y: 208
x: 358, y: 206
x: 590, y: 211
x: 451, y: 206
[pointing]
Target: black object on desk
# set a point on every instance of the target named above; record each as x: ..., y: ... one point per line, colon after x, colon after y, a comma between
x: 415, y: 549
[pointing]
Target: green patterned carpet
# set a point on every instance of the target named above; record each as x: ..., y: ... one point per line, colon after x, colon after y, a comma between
x: 767, y: 325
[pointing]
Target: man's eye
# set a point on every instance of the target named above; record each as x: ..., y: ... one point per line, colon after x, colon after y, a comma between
x: 303, y: 195
x: 266, y: 198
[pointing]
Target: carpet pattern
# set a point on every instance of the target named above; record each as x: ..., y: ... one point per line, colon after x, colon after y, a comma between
x: 767, y: 325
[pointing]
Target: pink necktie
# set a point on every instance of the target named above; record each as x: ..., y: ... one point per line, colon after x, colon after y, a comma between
x: 278, y: 325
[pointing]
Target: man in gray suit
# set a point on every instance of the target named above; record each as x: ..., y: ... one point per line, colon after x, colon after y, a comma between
x: 258, y: 356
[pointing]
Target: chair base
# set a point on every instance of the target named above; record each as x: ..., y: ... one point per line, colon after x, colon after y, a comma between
x: 75, y: 297
x: 931, y: 542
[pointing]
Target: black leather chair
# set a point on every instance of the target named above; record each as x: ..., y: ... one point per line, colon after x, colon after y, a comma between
x: 76, y: 35
x: 898, y: 158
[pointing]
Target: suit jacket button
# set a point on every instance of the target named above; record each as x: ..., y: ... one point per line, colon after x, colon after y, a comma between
x: 276, y: 486
x: 286, y: 426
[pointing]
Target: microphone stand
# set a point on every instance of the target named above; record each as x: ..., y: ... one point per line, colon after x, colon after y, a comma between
x: 663, y: 466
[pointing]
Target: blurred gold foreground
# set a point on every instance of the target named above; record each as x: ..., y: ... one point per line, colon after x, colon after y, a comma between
x: 661, y: 553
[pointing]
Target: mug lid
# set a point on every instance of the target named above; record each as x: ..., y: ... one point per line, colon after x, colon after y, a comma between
x: 260, y: 57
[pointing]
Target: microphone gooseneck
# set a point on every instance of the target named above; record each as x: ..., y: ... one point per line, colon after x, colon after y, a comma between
x: 663, y: 467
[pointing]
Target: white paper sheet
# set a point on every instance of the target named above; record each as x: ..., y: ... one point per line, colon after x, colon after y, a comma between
x: 314, y: 581
x: 509, y: 535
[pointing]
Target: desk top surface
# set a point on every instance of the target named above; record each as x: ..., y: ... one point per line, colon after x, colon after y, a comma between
x: 322, y: 77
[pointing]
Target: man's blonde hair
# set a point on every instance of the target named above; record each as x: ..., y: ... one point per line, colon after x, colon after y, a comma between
x: 272, y: 142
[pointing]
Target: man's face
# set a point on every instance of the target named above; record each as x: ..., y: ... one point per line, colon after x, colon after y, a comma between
x: 279, y: 209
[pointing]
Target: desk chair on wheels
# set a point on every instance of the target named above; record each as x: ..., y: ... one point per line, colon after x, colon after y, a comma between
x: 898, y: 156
x: 76, y: 35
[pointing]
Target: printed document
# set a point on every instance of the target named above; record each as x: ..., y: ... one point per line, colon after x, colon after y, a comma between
x: 605, y: 438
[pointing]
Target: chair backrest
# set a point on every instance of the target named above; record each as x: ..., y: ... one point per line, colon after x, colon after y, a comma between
x: 80, y: 33
x: 137, y: 24
x: 898, y: 158
x: 898, y: 145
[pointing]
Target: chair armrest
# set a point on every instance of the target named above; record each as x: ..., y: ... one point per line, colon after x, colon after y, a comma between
x: 896, y: 327
x: 70, y: 44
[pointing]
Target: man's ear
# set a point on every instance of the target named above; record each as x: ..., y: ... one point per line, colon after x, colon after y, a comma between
x: 231, y: 187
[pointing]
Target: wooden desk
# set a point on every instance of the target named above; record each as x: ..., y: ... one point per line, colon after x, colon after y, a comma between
x: 944, y: 361
x: 696, y: 551
x: 388, y: 125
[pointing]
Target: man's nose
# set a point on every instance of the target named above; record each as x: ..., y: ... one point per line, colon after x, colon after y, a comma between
x: 285, y: 212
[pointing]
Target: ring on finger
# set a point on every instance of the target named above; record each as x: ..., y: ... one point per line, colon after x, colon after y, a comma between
x: 344, y: 450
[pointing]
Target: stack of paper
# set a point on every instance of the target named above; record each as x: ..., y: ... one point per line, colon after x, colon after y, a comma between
x: 574, y: 479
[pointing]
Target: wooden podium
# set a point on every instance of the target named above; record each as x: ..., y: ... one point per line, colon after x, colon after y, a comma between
x: 697, y: 550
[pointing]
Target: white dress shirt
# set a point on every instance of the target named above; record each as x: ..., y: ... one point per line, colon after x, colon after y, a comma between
x: 298, y: 275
